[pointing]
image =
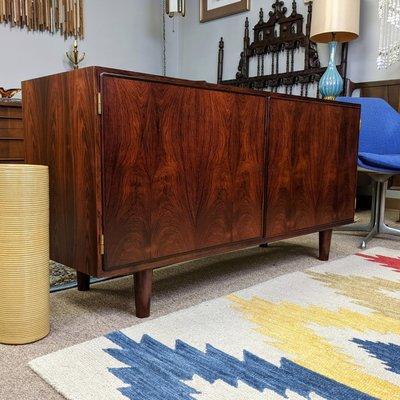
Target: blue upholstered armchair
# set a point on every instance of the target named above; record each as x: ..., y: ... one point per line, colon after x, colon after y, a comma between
x: 378, y: 156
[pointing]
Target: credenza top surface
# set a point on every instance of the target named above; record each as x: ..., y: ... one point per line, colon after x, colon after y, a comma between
x: 101, y: 71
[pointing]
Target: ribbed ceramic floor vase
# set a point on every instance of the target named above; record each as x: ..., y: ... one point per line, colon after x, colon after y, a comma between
x: 24, y: 253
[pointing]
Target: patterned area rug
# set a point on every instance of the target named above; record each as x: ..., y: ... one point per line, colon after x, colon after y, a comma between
x: 331, y: 332
x: 61, y: 275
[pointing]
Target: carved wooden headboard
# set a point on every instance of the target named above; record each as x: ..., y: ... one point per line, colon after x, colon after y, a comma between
x: 277, y: 39
x: 387, y: 90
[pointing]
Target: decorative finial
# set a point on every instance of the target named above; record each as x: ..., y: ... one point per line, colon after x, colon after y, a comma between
x: 74, y: 57
x: 261, y: 15
x: 221, y: 43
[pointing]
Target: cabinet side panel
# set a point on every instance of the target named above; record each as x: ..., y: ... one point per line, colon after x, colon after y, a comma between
x: 61, y: 130
x: 312, y: 155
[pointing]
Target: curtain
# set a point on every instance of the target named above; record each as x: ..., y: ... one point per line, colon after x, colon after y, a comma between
x: 389, y: 33
x: 64, y: 16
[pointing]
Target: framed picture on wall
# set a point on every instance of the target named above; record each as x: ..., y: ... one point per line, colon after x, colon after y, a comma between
x: 214, y: 9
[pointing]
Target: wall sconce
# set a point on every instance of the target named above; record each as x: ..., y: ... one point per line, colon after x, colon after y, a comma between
x: 176, y: 7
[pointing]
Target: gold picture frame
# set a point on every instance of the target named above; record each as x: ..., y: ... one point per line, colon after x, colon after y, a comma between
x: 237, y: 6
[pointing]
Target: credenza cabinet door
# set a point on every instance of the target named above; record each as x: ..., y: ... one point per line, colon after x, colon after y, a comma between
x: 312, y: 166
x: 183, y: 169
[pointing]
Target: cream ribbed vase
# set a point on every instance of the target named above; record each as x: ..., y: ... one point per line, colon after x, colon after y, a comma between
x: 24, y: 253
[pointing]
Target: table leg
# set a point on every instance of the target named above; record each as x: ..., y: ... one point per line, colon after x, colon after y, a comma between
x: 83, y: 281
x: 143, y: 283
x: 325, y: 238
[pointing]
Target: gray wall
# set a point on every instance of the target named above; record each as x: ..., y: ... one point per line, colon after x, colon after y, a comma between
x: 129, y: 36
x: 199, y: 43
x: 364, y: 51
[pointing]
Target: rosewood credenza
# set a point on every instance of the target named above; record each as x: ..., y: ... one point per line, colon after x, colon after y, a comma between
x: 147, y: 171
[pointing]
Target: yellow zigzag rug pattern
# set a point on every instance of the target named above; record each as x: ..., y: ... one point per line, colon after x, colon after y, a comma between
x: 331, y: 332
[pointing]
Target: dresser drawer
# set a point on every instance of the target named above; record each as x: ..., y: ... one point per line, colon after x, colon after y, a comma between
x: 11, y: 128
x: 10, y: 112
x: 11, y: 123
x: 12, y: 161
x: 12, y: 150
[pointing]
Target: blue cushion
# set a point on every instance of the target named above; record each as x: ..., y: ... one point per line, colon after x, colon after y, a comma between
x: 385, y: 161
x: 380, y: 125
x: 379, y: 148
x: 376, y: 169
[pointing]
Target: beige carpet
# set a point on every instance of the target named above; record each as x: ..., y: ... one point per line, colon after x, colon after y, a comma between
x: 77, y: 317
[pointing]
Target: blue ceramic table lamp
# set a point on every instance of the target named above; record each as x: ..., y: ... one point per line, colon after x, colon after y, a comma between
x: 334, y: 21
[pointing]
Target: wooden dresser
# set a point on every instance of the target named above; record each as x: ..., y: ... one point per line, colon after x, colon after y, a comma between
x: 11, y: 132
x: 148, y: 171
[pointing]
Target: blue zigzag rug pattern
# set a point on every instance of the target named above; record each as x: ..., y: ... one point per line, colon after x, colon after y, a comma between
x: 157, y: 372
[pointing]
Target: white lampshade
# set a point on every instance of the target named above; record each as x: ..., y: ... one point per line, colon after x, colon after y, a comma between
x: 337, y: 20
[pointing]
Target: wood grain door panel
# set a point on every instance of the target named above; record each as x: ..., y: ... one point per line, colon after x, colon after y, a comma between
x: 10, y: 112
x: 183, y: 169
x: 311, y: 166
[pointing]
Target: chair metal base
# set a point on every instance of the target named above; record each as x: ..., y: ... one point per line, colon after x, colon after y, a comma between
x: 377, y: 223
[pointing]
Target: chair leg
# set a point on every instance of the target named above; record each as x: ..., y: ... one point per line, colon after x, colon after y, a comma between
x: 375, y: 214
x: 370, y: 236
x: 364, y: 227
x: 380, y: 225
x: 388, y: 230
x: 377, y: 224
x: 354, y: 228
x: 383, y: 228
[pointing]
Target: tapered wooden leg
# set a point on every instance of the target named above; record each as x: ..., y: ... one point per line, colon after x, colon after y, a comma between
x: 143, y: 283
x: 83, y: 281
x: 325, y: 238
